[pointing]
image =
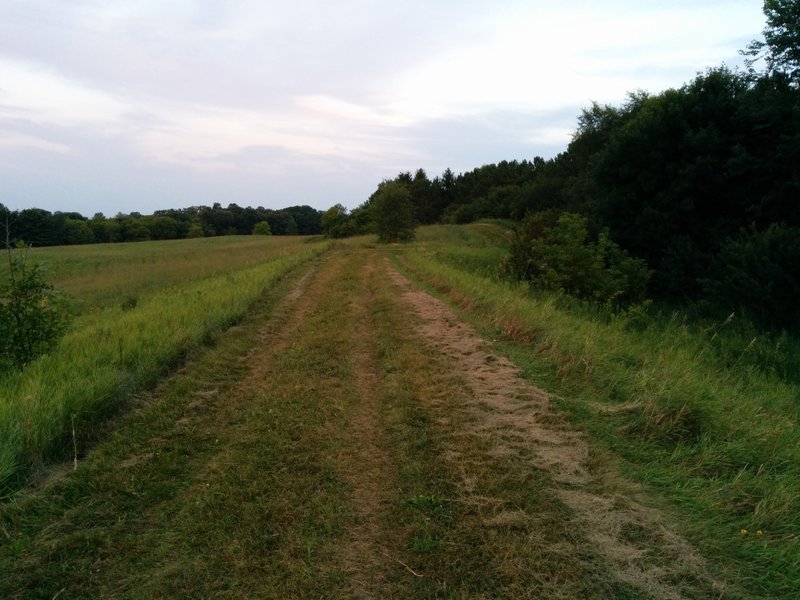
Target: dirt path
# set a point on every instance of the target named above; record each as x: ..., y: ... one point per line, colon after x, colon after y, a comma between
x: 353, y: 439
x: 513, y: 417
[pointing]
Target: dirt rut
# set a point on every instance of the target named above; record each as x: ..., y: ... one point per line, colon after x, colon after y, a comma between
x: 513, y: 417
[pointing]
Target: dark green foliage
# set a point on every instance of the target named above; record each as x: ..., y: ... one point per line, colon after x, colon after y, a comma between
x: 43, y: 228
x: 33, y: 314
x: 426, y: 198
x: 262, y: 228
x: 393, y: 213
x: 555, y: 252
x: 336, y: 222
x: 781, y: 45
x: 162, y: 227
x: 759, y: 272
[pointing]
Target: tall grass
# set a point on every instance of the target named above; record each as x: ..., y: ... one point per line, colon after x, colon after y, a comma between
x: 101, y: 274
x: 115, y: 351
x: 704, y: 413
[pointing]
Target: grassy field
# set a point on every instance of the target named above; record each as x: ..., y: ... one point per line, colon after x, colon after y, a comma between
x: 372, y: 426
x: 101, y: 274
x: 141, y: 307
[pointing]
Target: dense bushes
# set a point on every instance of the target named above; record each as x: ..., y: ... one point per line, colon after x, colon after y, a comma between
x: 759, y: 273
x: 555, y: 251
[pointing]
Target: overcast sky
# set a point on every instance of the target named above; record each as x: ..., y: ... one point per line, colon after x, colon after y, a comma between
x: 137, y: 105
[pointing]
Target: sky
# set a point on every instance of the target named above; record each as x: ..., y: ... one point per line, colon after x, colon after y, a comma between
x: 139, y: 105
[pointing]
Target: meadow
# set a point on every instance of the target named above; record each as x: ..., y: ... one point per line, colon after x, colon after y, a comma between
x: 140, y: 308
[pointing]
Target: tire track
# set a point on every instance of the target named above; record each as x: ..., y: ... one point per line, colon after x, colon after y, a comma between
x: 511, y: 417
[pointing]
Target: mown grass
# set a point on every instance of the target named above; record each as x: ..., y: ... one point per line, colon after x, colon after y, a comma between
x: 209, y: 488
x: 700, y: 413
x: 120, y: 348
x: 453, y: 509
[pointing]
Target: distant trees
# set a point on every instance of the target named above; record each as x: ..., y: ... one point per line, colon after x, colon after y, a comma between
x: 43, y: 228
x: 336, y: 222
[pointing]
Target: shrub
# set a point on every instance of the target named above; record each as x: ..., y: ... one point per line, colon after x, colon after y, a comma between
x: 262, y: 228
x: 759, y: 272
x: 33, y: 314
x: 554, y: 251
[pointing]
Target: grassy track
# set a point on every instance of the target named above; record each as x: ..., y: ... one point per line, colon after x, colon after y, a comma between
x: 706, y: 417
x: 115, y: 350
x: 325, y: 447
x: 353, y: 437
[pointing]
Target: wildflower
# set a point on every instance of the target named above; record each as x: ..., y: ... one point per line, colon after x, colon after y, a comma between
x: 759, y: 532
x: 743, y: 531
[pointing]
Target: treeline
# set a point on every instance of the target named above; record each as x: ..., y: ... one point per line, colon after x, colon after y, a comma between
x: 701, y: 182
x: 42, y: 228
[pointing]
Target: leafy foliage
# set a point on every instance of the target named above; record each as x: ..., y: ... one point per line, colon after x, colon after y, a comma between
x: 555, y: 252
x: 262, y: 228
x: 393, y: 213
x: 33, y: 314
x: 759, y: 272
x: 336, y: 222
x: 781, y: 45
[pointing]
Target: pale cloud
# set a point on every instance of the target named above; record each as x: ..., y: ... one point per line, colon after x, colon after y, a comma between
x: 13, y: 141
x: 315, y: 100
x: 545, y: 60
x: 33, y: 92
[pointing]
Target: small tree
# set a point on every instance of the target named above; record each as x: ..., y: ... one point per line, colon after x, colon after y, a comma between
x: 262, y: 228
x: 33, y: 314
x: 393, y: 213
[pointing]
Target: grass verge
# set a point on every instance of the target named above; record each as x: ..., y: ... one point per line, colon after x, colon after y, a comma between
x: 720, y: 441
x: 113, y: 353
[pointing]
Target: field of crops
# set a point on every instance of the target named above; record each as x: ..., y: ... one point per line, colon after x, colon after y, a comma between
x: 139, y: 309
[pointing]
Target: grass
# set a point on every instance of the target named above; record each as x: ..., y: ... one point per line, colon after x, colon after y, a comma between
x: 717, y: 436
x: 119, y: 348
x: 320, y: 449
x: 98, y: 275
x: 303, y: 455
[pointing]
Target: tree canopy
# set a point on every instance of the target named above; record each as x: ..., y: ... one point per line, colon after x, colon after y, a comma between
x: 393, y: 212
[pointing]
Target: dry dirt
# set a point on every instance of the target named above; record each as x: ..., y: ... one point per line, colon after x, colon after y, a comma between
x: 514, y: 417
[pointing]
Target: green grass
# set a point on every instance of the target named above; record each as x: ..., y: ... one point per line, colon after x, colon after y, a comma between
x: 120, y: 348
x: 300, y: 459
x: 101, y: 274
x: 693, y: 410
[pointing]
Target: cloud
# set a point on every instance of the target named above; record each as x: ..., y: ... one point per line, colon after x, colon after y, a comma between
x: 10, y: 141
x: 314, y: 99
